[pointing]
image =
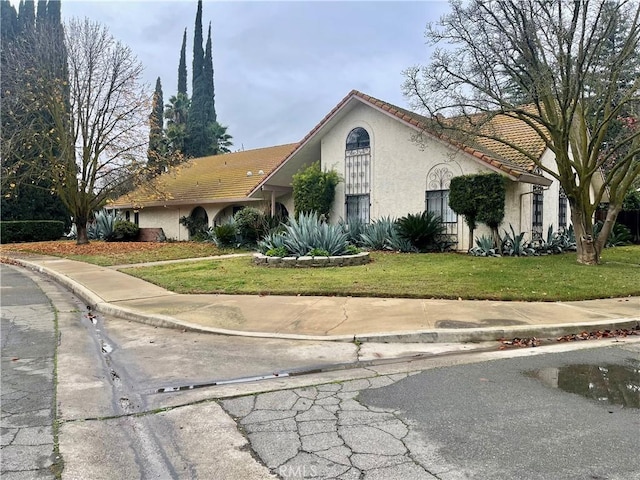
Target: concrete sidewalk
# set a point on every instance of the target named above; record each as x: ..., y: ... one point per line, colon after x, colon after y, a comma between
x: 111, y: 292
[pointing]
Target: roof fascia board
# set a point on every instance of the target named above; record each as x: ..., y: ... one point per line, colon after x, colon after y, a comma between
x: 178, y: 203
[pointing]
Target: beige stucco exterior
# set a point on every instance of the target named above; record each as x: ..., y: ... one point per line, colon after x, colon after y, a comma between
x: 404, y: 166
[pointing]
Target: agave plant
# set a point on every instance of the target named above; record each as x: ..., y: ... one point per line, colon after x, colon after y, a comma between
x: 514, y: 245
x: 377, y: 235
x: 354, y: 230
x: 484, y: 247
x: 104, y: 224
x: 274, y: 240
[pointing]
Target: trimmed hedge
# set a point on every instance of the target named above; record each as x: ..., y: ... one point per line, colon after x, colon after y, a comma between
x: 31, y: 231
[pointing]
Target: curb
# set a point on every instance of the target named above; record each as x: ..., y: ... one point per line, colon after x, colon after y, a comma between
x: 444, y: 335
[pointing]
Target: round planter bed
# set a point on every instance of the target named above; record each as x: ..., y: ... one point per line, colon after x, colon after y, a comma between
x: 361, y: 258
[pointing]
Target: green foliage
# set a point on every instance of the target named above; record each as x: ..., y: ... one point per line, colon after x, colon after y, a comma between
x: 631, y: 200
x: 308, y: 231
x: 251, y: 224
x: 277, y: 252
x: 274, y: 240
x: 491, y: 193
x: 124, y: 231
x: 352, y: 250
x: 424, y: 230
x: 224, y: 235
x: 104, y: 223
x: 620, y: 234
x: 197, y: 226
x: 354, y: 230
x: 314, y: 190
x: 462, y: 199
x: 31, y: 231
x: 318, y: 252
x: 377, y: 235
x: 484, y: 248
x: 514, y: 245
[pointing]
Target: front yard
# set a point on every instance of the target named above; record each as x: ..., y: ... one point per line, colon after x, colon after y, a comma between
x: 549, y: 278
x: 452, y: 276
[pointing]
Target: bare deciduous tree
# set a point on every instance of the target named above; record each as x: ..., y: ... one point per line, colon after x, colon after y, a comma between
x: 99, y: 138
x: 568, y: 69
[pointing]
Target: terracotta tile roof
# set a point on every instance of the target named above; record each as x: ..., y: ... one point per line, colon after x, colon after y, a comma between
x: 207, y: 179
x: 489, y: 151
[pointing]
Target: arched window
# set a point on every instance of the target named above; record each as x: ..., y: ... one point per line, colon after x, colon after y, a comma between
x: 358, y: 176
x: 357, y: 138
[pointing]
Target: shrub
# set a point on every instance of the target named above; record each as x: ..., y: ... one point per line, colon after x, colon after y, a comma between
x: 277, y: 252
x: 124, y: 231
x: 250, y: 224
x: 31, y: 230
x: 314, y: 190
x: 424, y: 230
x: 318, y: 252
x: 197, y: 227
x: 620, y: 234
x: 223, y: 235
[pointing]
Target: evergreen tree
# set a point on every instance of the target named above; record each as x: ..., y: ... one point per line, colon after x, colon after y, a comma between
x: 197, y: 144
x: 182, y: 67
x: 33, y: 200
x: 156, y: 151
x: 26, y: 16
x: 41, y: 14
x: 209, y: 98
x: 176, y: 113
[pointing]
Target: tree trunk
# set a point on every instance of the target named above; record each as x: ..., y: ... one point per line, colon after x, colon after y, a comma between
x: 586, y: 246
x: 81, y: 230
x: 471, y: 230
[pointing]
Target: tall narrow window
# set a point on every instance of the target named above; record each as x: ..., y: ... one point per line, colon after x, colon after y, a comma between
x: 358, y: 176
x: 437, y: 197
x: 536, y: 217
x: 562, y: 209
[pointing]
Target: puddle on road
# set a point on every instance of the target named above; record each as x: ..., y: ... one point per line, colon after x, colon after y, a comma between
x: 608, y: 384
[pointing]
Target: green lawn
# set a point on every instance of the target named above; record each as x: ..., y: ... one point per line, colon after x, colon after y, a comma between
x: 548, y: 278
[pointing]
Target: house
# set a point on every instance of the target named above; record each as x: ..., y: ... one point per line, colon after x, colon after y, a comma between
x: 390, y: 164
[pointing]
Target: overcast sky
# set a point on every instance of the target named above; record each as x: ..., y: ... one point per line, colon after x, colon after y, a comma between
x: 279, y: 67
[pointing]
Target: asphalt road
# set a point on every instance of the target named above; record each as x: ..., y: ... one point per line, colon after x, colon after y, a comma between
x: 512, y: 419
x: 28, y: 348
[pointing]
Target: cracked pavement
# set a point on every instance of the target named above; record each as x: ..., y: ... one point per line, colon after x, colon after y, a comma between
x: 324, y: 432
x: 28, y: 348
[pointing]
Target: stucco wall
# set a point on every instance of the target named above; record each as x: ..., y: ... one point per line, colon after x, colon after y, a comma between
x: 401, y: 169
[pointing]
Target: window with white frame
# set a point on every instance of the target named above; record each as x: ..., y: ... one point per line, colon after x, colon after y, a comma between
x: 358, y: 175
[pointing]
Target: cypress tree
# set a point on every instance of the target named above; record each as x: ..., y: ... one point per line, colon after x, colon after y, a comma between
x: 196, y: 144
x: 198, y: 53
x: 41, y: 14
x: 27, y: 15
x: 155, y: 153
x: 210, y: 106
x: 182, y: 67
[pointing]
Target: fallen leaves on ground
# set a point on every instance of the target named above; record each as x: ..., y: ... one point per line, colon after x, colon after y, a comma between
x: 593, y: 335
x: 65, y: 248
x: 598, y: 334
x: 520, y: 342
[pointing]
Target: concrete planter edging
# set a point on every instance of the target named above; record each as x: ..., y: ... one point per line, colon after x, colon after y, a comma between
x: 361, y: 258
